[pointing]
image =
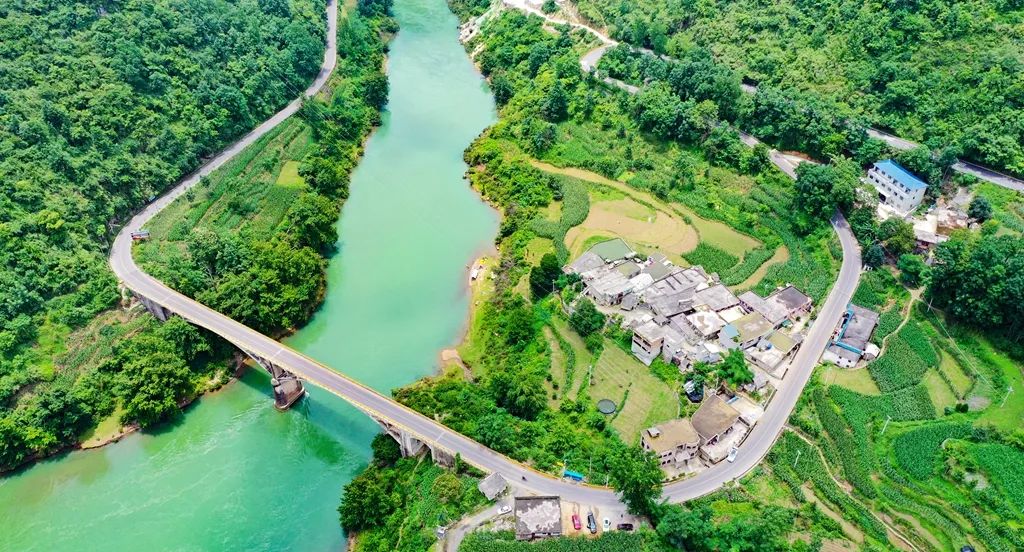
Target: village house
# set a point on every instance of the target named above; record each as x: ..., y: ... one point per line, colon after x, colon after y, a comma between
x: 896, y: 186
x: 746, y: 331
x: 852, y: 340
x: 719, y: 427
x: 771, y: 352
x: 685, y: 315
x: 674, y: 442
x: 538, y: 517
x: 786, y: 304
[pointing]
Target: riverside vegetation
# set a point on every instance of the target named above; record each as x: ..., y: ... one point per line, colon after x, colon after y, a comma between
x: 115, y: 124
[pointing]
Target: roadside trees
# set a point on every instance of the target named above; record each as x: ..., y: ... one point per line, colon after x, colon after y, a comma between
x: 636, y: 476
x: 820, y: 190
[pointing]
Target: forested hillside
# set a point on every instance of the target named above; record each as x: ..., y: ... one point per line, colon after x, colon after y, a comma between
x: 945, y: 72
x: 103, y: 105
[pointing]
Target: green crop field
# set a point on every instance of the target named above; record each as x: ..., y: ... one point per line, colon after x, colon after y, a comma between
x: 643, y: 399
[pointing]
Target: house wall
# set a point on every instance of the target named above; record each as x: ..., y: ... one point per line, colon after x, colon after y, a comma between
x: 896, y: 195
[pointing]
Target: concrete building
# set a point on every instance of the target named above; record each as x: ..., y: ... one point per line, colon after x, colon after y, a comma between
x: 771, y: 352
x: 648, y: 339
x: 852, y: 341
x: 715, y: 298
x: 748, y: 330
x: 896, y: 186
x: 673, y: 442
x: 788, y: 303
x: 613, y: 250
x: 538, y: 517
x: 719, y: 427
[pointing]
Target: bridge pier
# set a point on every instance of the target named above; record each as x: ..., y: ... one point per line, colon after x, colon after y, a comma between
x: 287, y: 386
x: 410, y: 445
x: 154, y: 308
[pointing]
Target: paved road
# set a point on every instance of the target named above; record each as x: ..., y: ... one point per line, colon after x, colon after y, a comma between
x: 426, y: 429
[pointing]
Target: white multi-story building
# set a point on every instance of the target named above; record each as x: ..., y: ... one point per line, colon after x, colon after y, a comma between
x: 896, y: 187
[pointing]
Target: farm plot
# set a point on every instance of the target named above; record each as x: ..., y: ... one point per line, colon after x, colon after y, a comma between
x: 643, y: 399
x: 642, y: 227
x: 1004, y: 466
x: 917, y: 451
x: 907, y: 357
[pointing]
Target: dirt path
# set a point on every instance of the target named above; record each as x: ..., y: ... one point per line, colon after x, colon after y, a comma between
x: 781, y: 255
x: 904, y: 543
x: 681, y: 211
x: 915, y: 296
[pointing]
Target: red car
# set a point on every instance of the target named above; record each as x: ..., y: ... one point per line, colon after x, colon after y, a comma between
x: 576, y: 522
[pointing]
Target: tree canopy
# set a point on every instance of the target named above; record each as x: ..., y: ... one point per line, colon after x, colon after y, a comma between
x: 979, y: 279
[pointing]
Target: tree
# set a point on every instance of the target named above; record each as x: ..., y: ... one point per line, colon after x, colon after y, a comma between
x: 502, y: 88
x: 447, y: 488
x: 367, y: 501
x: 586, y: 319
x: 539, y: 54
x: 821, y: 189
x: 874, y: 256
x: 314, y: 218
x: 912, y: 269
x: 734, y: 368
x: 980, y: 209
x: 683, y: 170
x: 152, y: 380
x: 386, y: 451
x: 636, y: 476
x: 555, y: 107
x: 375, y: 90
x: 979, y: 280
x: 543, y: 276
x: 897, y: 235
x: 686, y: 529
x: 516, y: 322
x: 549, y: 6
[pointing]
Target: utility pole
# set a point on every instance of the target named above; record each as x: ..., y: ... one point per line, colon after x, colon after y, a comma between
x: 887, y: 420
x: 797, y: 458
x: 1006, y: 397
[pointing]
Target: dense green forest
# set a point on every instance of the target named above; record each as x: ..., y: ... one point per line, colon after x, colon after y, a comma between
x: 943, y: 72
x: 103, y: 107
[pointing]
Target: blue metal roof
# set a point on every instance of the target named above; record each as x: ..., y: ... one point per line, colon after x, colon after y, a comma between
x: 901, y: 175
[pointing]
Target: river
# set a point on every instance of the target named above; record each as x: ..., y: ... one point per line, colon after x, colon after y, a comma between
x: 235, y: 474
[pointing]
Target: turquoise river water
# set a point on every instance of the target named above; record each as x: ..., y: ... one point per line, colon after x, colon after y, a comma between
x: 233, y: 473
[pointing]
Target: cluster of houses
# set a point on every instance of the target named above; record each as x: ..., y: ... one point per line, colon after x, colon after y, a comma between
x: 708, y: 437
x: 685, y: 315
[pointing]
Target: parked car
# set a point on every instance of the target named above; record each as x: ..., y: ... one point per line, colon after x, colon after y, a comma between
x: 732, y: 454
x: 591, y: 523
x: 624, y: 527
x: 576, y: 522
x: 607, y: 524
x: 505, y: 508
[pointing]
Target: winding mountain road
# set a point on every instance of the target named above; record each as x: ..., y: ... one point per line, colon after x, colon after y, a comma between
x: 426, y: 429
